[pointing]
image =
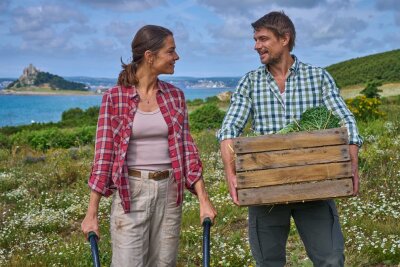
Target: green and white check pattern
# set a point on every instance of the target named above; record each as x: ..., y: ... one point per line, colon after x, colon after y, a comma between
x: 257, y: 95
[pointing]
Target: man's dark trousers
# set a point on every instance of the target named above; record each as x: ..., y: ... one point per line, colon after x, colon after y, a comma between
x: 317, y: 223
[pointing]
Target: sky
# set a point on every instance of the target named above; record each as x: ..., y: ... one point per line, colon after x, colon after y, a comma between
x: 213, y: 37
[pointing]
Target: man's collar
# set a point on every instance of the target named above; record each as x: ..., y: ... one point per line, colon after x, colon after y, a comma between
x: 295, y: 65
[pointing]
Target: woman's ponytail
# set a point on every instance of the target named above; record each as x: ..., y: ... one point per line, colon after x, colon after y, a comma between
x: 127, y: 76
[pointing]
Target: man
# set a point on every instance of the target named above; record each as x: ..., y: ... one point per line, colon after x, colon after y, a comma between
x: 273, y: 95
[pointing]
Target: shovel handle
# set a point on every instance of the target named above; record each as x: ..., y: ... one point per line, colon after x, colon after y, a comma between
x: 206, y: 241
x: 94, y: 248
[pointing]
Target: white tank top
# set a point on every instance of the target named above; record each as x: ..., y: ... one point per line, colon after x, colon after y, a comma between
x: 148, y: 145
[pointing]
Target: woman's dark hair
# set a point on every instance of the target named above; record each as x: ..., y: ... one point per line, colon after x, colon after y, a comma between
x: 279, y: 23
x: 149, y: 37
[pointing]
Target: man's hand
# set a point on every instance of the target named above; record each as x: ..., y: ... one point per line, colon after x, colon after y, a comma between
x: 232, y: 186
x: 228, y: 159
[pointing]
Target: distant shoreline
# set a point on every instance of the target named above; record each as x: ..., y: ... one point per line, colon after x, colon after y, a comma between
x: 66, y: 92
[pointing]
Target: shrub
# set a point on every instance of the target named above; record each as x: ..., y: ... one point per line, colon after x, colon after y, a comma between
x: 195, y: 102
x: 76, y: 116
x: 208, y: 116
x: 365, y: 108
x: 212, y: 100
x: 55, y: 138
x: 4, y: 141
x: 372, y: 90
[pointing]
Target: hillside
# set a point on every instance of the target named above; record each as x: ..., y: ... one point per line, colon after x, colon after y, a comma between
x: 32, y: 77
x: 383, y: 66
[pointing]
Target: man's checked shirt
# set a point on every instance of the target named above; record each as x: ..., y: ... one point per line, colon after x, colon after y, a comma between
x: 257, y: 95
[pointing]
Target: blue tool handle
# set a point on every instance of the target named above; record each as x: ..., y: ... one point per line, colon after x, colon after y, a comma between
x: 206, y: 241
x: 94, y: 248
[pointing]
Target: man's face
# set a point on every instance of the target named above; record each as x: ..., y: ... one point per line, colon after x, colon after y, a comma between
x: 268, y: 46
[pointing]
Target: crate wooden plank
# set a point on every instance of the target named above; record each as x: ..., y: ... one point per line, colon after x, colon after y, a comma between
x: 296, y: 192
x: 294, y: 157
x: 273, y: 142
x: 293, y: 174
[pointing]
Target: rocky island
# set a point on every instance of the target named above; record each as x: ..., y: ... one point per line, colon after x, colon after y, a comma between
x: 34, y: 81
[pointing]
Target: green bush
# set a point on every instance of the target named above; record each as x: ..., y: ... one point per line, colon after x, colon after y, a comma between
x: 55, y: 138
x: 212, y: 100
x: 372, y: 90
x: 208, y: 116
x: 365, y: 108
x: 4, y: 141
x: 194, y: 102
x: 76, y: 116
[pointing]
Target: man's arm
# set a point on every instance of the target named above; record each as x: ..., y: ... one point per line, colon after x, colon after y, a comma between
x: 229, y: 166
x: 233, y: 124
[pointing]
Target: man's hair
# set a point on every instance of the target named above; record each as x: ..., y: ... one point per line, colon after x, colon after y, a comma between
x: 279, y: 23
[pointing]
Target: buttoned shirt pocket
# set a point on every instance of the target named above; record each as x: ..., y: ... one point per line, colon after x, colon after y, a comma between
x: 178, y: 118
x: 119, y: 126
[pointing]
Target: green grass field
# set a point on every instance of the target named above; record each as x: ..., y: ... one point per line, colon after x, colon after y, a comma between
x: 43, y: 198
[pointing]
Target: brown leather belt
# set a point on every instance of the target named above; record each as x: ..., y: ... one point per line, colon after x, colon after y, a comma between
x: 160, y: 175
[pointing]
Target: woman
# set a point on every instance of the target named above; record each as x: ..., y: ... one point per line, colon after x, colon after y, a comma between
x: 146, y: 155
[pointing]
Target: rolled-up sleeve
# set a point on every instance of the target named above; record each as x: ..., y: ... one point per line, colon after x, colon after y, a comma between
x: 335, y: 102
x: 238, y: 112
x: 192, y: 163
x: 100, y: 177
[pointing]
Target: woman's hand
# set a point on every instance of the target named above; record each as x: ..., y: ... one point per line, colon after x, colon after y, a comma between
x: 207, y: 210
x: 90, y: 224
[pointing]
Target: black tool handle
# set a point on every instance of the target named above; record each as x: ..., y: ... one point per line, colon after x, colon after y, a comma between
x: 206, y: 241
x: 94, y: 248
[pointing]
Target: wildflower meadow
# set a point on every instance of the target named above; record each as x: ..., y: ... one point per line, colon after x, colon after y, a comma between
x: 44, y: 196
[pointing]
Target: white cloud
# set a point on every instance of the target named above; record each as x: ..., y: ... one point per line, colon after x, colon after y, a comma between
x: 35, y: 18
x: 335, y: 29
x: 125, y: 5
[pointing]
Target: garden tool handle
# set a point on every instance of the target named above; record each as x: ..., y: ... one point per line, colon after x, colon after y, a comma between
x: 94, y: 248
x: 206, y: 241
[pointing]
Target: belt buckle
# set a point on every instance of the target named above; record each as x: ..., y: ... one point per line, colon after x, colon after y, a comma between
x: 158, y: 175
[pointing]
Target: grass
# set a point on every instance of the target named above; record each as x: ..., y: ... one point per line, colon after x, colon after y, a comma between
x: 43, y: 198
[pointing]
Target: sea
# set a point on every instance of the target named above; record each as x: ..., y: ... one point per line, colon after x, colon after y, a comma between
x: 28, y: 109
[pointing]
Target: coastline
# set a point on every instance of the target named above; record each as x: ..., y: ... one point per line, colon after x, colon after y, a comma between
x: 47, y: 93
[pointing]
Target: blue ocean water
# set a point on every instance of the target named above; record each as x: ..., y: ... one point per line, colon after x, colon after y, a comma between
x: 26, y: 109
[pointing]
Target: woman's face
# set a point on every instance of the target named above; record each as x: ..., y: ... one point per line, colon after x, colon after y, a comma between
x: 164, y: 61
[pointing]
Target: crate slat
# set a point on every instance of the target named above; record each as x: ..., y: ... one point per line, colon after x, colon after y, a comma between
x: 295, y: 157
x: 296, y: 192
x: 273, y: 142
x: 293, y: 174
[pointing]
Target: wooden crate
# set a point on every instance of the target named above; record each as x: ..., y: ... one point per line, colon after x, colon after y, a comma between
x: 294, y: 167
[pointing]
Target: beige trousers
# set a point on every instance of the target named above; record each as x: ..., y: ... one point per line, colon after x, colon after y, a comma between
x: 149, y: 234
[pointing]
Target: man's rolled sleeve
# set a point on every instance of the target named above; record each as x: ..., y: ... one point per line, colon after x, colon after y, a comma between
x: 238, y: 112
x: 335, y: 102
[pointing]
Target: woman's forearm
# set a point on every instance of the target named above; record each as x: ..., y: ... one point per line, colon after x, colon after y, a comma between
x: 94, y: 201
x: 200, y: 189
